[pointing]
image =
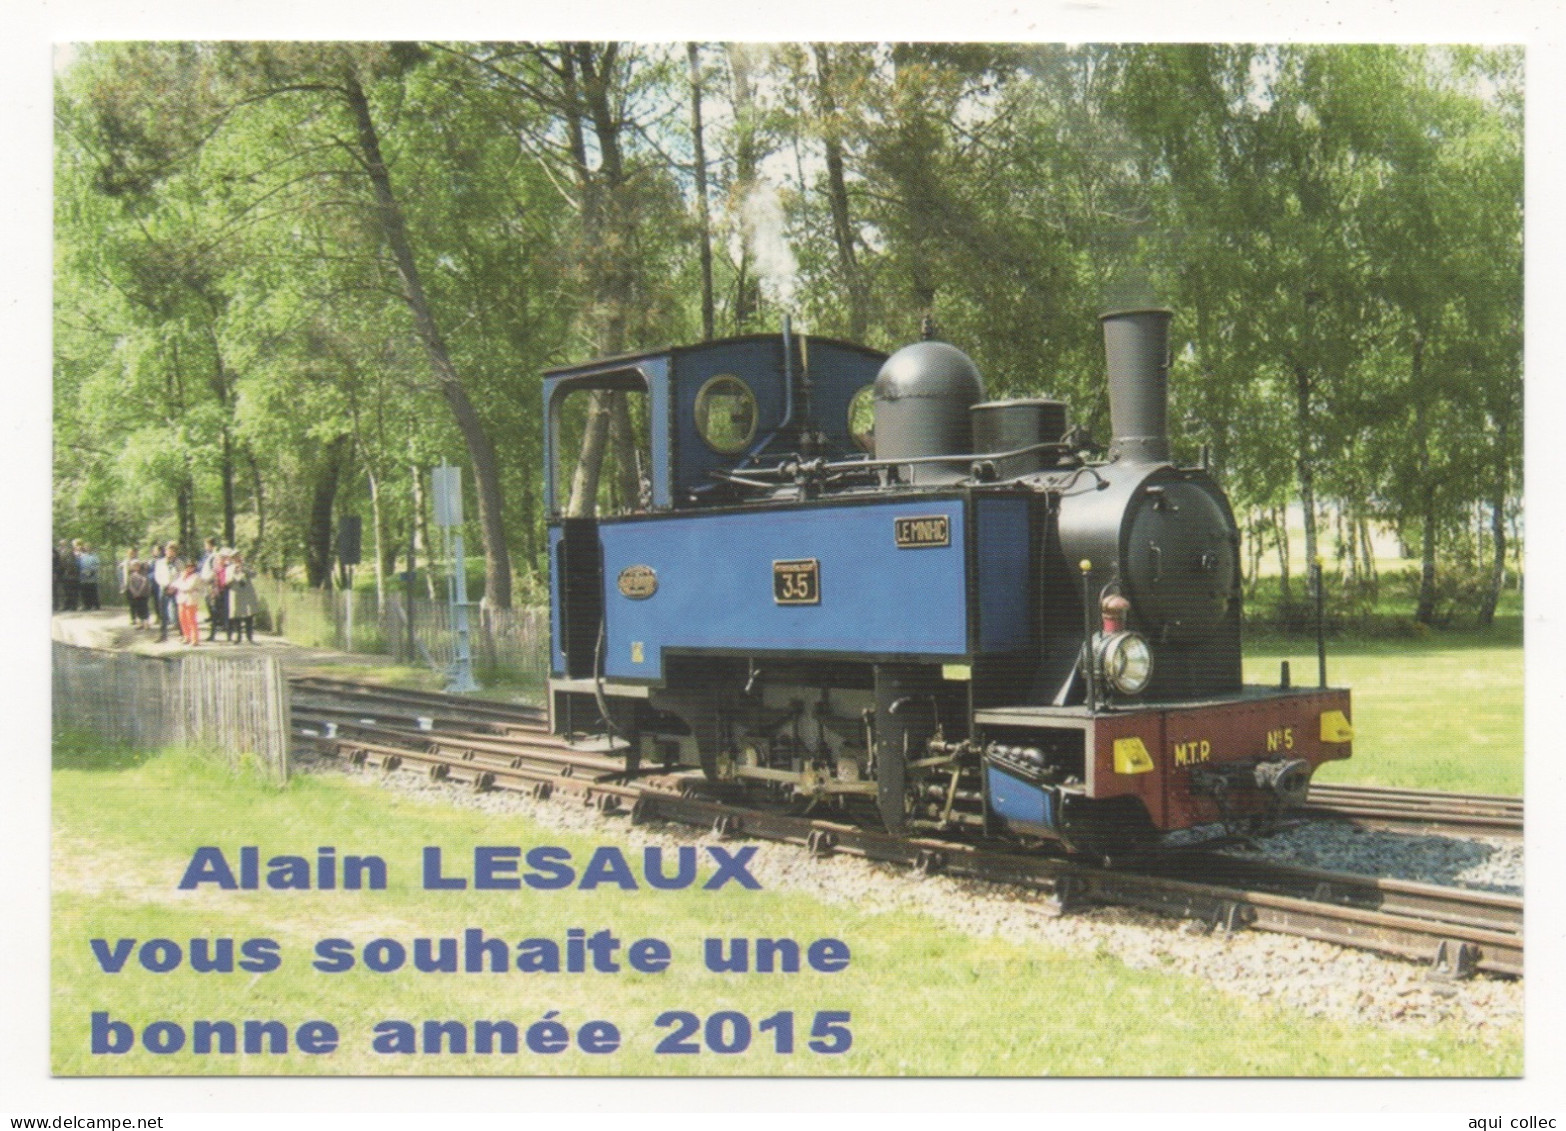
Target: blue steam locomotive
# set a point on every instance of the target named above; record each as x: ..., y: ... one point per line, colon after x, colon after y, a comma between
x: 851, y: 581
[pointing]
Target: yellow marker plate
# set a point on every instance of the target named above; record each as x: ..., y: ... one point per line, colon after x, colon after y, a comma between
x: 1335, y: 727
x: 1131, y: 757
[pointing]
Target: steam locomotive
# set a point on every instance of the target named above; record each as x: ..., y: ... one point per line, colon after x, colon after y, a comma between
x: 850, y: 581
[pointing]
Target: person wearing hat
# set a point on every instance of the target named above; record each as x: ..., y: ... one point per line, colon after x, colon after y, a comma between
x: 216, y: 576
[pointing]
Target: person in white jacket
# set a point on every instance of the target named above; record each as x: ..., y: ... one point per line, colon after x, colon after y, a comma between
x: 165, y: 572
x: 190, y: 590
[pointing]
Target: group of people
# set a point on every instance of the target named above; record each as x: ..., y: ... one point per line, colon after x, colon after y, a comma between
x: 176, y: 588
x: 75, y: 576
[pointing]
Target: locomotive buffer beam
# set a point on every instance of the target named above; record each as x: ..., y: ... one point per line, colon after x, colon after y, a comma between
x: 1286, y: 781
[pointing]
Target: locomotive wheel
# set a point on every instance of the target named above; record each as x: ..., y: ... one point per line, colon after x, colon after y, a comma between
x: 710, y: 734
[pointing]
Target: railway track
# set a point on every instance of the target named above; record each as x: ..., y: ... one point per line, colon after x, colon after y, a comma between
x: 1466, y: 814
x: 400, y: 703
x: 496, y: 746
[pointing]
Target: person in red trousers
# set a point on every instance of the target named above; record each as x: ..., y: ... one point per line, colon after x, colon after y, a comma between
x: 189, y: 591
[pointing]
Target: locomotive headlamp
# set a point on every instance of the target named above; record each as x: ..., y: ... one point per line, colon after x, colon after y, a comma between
x: 1126, y: 662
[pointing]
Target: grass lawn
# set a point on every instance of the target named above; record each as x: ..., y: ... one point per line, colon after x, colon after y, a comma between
x: 1441, y: 712
x: 921, y: 997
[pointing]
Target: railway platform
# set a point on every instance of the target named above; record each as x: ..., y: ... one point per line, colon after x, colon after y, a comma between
x: 109, y: 630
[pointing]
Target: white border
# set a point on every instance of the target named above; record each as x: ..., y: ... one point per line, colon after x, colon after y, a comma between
x: 34, y: 25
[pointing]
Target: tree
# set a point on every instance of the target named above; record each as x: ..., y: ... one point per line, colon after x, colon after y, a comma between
x: 248, y: 233
x: 699, y: 164
x: 143, y: 264
x: 328, y: 86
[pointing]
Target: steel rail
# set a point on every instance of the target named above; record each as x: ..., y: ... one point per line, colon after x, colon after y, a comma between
x: 1371, y: 806
x: 1403, y: 793
x: 1465, y: 907
x: 483, y: 750
x: 1458, y: 813
x: 1457, y: 931
x: 407, y: 697
x: 441, y: 765
x: 1452, y: 944
x: 386, y: 714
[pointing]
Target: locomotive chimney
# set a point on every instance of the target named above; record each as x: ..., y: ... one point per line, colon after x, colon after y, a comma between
x: 1136, y: 345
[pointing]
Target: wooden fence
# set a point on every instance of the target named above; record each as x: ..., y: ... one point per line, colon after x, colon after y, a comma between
x: 413, y: 630
x: 236, y: 705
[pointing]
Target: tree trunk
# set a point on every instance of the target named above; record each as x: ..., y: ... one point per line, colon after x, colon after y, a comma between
x: 1492, y: 595
x: 378, y: 531
x: 185, y: 511
x: 622, y: 441
x: 1281, y: 532
x: 1348, y: 547
x: 1517, y: 551
x: 837, y: 193
x: 1305, y: 460
x: 1367, y: 554
x: 323, y: 498
x: 583, y: 500
x: 221, y: 382
x: 185, y: 489
x: 421, y: 532
x: 610, y: 228
x: 481, y: 453
x: 1424, y: 610
x: 223, y: 389
x: 747, y: 161
x: 259, y: 494
x: 702, y: 214
x: 1254, y: 547
x: 918, y: 194
x: 228, y: 485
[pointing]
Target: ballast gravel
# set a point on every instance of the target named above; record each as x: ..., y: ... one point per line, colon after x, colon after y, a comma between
x: 1484, y: 863
x: 1319, y: 979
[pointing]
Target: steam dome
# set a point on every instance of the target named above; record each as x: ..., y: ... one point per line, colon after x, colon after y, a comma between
x: 922, y: 397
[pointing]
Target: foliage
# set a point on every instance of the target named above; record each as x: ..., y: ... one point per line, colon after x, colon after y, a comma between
x: 258, y: 334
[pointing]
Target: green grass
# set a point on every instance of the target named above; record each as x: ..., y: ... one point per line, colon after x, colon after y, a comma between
x: 501, y: 683
x: 512, y: 683
x: 924, y: 998
x: 391, y: 674
x: 1442, y: 711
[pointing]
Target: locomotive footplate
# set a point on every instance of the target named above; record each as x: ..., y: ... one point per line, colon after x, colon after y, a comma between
x: 1184, y: 765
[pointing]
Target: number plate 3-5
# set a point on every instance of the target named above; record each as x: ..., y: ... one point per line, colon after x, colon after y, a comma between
x: 796, y: 582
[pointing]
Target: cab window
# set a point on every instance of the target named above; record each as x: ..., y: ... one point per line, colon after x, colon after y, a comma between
x: 603, y: 449
x: 726, y: 414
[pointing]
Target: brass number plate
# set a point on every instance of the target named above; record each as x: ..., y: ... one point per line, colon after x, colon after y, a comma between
x: 919, y: 531
x: 638, y: 582
x: 797, y: 582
